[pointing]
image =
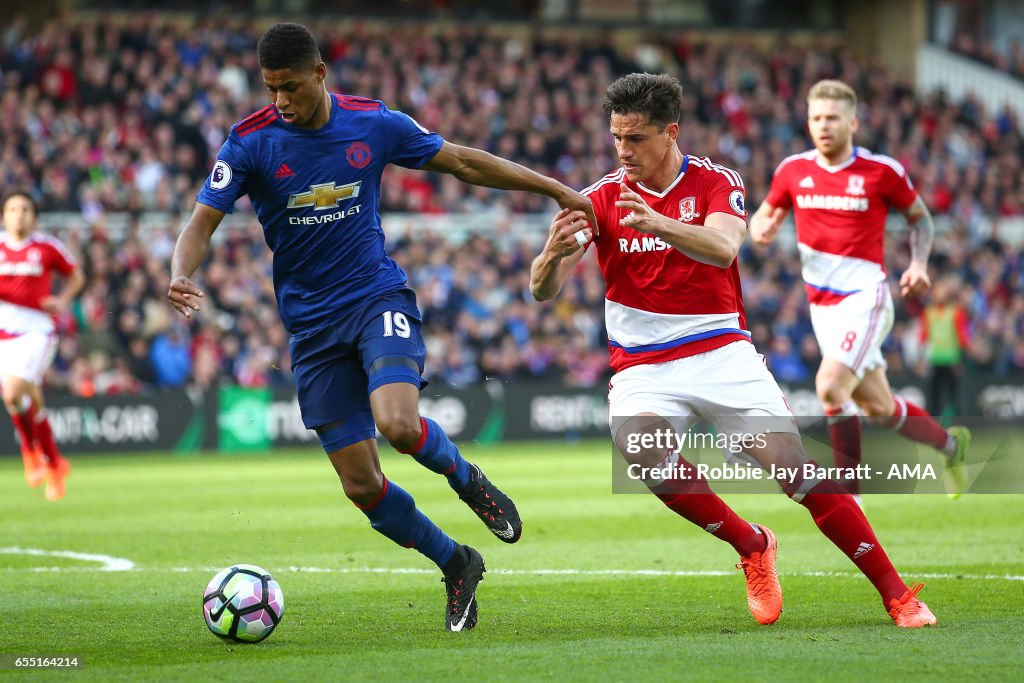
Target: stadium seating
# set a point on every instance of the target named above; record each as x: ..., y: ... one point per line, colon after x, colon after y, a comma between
x: 102, y: 117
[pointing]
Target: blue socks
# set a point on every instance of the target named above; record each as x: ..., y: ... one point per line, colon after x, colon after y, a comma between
x: 394, y: 514
x: 437, y: 453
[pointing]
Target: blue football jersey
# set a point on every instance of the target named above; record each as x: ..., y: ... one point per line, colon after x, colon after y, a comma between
x: 317, y: 195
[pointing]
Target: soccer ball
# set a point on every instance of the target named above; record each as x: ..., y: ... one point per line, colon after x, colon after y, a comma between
x: 243, y: 603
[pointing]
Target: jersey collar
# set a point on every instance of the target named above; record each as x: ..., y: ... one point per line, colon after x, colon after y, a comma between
x: 664, y: 193
x: 840, y: 166
x: 12, y: 244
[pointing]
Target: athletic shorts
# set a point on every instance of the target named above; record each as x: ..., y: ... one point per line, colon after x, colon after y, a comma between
x: 853, y: 330
x: 27, y: 356
x: 730, y: 387
x: 337, y: 367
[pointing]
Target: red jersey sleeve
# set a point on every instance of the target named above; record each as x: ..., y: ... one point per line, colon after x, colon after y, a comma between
x: 723, y: 195
x: 601, y: 200
x: 897, y: 189
x: 62, y: 261
x: 603, y: 196
x: 778, y: 193
x: 59, y: 258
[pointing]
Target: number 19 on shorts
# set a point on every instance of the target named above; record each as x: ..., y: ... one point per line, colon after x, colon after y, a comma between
x: 395, y: 323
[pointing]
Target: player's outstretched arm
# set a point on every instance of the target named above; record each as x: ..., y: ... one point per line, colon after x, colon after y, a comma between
x: 764, y: 224
x: 189, y: 252
x: 562, y: 252
x: 477, y: 167
x: 715, y: 243
x: 915, y: 280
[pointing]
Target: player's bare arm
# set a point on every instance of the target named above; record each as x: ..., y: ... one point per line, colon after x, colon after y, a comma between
x: 73, y: 285
x: 764, y: 224
x: 189, y: 252
x: 914, y: 281
x: 715, y: 243
x: 477, y: 167
x: 562, y: 252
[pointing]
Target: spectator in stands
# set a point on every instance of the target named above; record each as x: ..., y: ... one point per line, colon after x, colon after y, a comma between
x: 170, y: 357
x: 105, y: 117
x: 945, y: 334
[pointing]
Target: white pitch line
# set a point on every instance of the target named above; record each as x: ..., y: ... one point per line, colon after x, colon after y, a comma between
x: 110, y: 563
x: 638, y: 572
x: 540, y: 572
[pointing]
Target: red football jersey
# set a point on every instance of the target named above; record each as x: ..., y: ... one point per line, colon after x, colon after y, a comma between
x: 660, y: 304
x: 26, y: 278
x: 840, y: 213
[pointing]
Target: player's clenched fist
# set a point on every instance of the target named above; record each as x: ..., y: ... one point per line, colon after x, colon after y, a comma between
x: 183, y: 295
x: 915, y: 281
x: 570, y: 231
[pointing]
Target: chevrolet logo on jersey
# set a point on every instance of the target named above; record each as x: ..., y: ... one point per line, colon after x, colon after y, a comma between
x: 323, y: 196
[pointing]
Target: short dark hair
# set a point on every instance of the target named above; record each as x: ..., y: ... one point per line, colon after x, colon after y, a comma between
x: 657, y: 97
x: 287, y: 46
x: 20, y: 193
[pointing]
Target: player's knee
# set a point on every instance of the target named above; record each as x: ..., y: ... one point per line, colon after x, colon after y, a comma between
x: 832, y: 394
x: 877, y: 412
x: 13, y: 392
x: 881, y: 407
x: 364, y: 490
x: 781, y: 450
x: 402, y: 431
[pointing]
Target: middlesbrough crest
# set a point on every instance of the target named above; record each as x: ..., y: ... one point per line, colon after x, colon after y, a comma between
x: 687, y: 209
x: 855, y: 185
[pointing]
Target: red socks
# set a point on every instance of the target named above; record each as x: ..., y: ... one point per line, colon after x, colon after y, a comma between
x: 844, y: 433
x: 693, y: 500
x: 908, y: 419
x: 44, y: 435
x: 834, y: 510
x: 24, y: 424
x: 916, y: 424
x: 844, y: 523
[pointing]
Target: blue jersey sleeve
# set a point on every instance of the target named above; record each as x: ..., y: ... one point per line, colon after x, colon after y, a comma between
x: 226, y: 181
x: 411, y: 145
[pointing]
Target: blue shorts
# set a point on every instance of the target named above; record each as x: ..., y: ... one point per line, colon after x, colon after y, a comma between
x: 338, y: 366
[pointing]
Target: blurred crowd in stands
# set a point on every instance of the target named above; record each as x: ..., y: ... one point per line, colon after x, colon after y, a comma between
x: 1009, y: 60
x: 127, y: 116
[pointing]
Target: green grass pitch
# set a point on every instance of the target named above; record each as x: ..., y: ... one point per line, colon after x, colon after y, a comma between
x: 601, y: 587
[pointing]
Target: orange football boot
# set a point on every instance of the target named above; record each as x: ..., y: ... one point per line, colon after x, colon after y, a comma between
x: 909, y: 612
x: 764, y: 594
x: 55, y: 477
x: 35, y: 466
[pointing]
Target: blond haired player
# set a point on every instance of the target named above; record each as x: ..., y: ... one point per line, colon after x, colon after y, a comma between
x: 669, y: 228
x: 28, y: 338
x: 840, y: 196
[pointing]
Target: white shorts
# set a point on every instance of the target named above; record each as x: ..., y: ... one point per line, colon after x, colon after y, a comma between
x: 27, y: 356
x: 852, y: 331
x: 729, y: 387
